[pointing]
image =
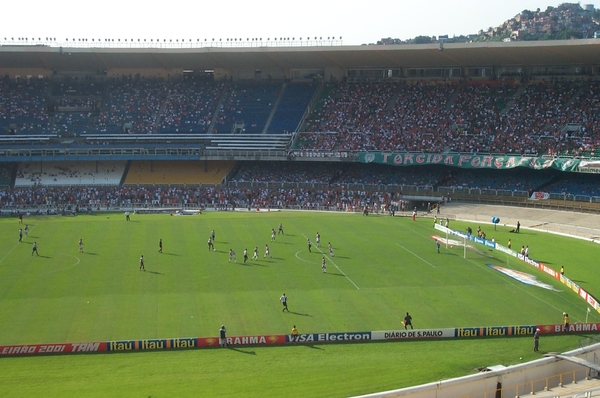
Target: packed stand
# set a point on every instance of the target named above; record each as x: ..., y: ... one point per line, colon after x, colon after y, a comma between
x: 23, y: 105
x: 487, y: 117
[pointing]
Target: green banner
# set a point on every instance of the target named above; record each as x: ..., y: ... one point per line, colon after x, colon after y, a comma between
x: 468, y: 161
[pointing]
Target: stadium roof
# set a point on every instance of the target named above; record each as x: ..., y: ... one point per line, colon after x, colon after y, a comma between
x: 564, y: 52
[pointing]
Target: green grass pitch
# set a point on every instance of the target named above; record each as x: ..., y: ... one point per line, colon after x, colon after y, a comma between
x: 383, y: 267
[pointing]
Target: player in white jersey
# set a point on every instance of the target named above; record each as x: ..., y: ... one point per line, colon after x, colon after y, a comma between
x: 245, y: 255
x: 255, y: 256
x: 273, y: 234
x: 267, y: 251
x: 324, y: 265
x: 318, y: 239
x: 331, y: 253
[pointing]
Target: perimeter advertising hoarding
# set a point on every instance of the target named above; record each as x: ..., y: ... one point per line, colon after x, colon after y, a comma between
x: 573, y: 328
x: 402, y: 334
x: 329, y: 337
x: 44, y: 349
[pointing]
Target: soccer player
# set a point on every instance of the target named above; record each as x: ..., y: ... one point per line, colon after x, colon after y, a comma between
x: 324, y: 265
x: 142, y: 266
x: 280, y: 229
x: 160, y: 245
x: 34, y: 249
x: 408, y: 321
x: 232, y: 256
x: 437, y: 243
x: 212, y: 235
x: 211, y: 245
x: 318, y: 239
x: 267, y: 251
x: 245, y: 255
x: 127, y: 218
x: 20, y: 235
x: 309, y: 244
x: 331, y: 253
x: 26, y: 230
x: 283, y: 300
x: 80, y: 245
x: 295, y: 334
x: 273, y: 235
x: 255, y: 255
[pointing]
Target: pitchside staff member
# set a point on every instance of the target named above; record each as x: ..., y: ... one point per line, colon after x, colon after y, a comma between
x: 223, y: 336
x: 408, y: 321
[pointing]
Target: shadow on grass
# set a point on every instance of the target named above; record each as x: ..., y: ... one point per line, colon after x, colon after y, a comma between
x: 90, y: 253
x: 172, y: 254
x: 242, y: 351
x: 297, y: 313
x: 334, y: 274
x: 42, y: 256
x: 155, y: 272
x: 315, y: 347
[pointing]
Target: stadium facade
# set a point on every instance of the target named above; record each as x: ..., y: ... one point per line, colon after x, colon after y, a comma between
x: 516, y: 62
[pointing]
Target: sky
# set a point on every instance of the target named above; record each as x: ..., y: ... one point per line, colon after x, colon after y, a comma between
x: 357, y: 22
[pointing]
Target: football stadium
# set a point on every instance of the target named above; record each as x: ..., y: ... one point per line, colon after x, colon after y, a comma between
x: 311, y: 220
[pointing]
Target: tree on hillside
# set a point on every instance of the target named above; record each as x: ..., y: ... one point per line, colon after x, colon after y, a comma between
x: 423, y: 40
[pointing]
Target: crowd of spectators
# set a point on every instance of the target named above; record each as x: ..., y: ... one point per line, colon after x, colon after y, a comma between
x: 488, y: 117
x: 107, y: 198
x: 337, y: 186
x: 540, y: 117
x: 22, y: 102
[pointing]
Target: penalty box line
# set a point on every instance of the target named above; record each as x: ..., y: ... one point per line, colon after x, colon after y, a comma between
x: 334, y: 264
x: 420, y: 258
x: 15, y: 246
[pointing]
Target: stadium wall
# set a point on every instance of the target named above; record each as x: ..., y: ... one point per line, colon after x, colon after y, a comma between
x: 512, y: 381
x: 288, y: 339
